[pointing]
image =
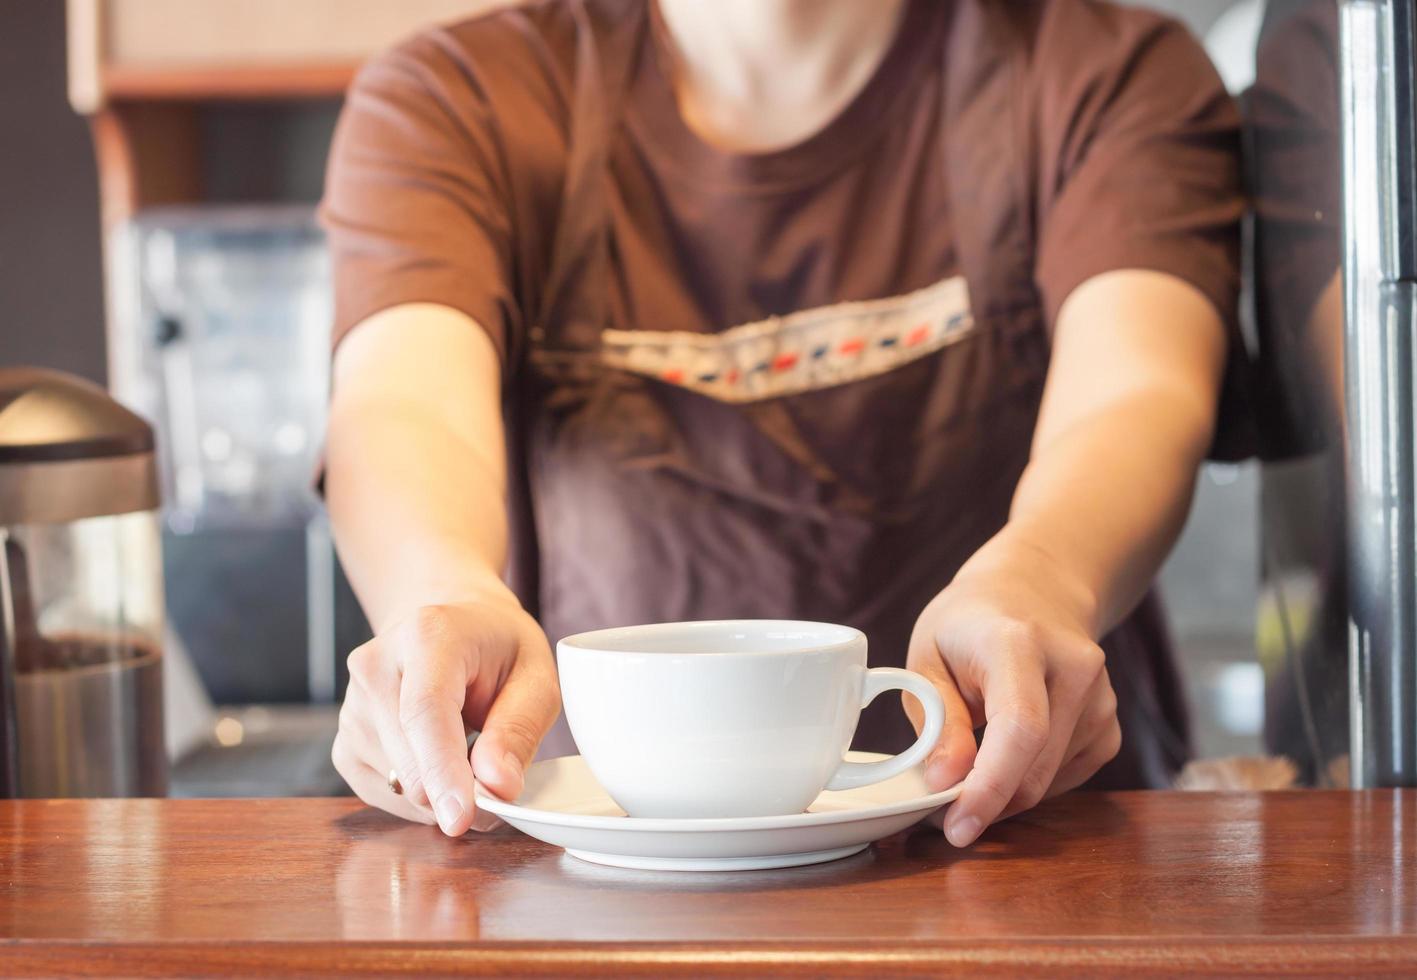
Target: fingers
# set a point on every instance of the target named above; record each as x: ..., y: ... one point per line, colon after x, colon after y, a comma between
x: 1017, y: 712
x: 524, y: 711
x: 413, y: 690
x: 373, y: 699
x: 1095, y: 742
x: 430, y: 700
x: 373, y: 788
x: 954, y: 753
x: 372, y: 735
x: 1075, y: 667
x: 1085, y: 764
x: 359, y: 759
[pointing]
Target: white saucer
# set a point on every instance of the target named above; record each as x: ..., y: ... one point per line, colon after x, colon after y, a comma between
x: 562, y: 804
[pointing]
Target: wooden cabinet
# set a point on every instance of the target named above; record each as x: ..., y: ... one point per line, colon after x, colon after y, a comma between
x: 156, y: 78
x: 143, y: 71
x: 219, y: 49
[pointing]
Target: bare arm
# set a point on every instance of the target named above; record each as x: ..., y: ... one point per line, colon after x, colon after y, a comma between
x: 416, y: 481
x: 1127, y: 415
x: 416, y: 487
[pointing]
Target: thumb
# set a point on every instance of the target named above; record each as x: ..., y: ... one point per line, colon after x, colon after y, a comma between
x: 954, y: 753
x: 521, y: 715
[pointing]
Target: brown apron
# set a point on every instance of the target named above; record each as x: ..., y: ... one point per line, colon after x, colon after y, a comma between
x: 819, y: 516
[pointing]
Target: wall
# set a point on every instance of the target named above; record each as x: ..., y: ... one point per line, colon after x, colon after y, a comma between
x: 51, y: 301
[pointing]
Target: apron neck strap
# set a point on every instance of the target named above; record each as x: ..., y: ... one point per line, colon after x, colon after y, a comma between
x: 609, y: 38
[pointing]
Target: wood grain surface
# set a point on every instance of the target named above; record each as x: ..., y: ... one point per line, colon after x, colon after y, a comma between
x: 1135, y: 883
x: 241, y: 83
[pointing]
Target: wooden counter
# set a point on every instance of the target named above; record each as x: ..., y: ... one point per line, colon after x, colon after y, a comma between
x: 1141, y: 883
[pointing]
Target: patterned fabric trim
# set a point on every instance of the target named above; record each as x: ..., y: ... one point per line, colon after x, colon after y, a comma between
x: 802, y: 351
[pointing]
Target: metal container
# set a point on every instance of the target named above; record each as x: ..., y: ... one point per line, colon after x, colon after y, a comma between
x: 80, y: 593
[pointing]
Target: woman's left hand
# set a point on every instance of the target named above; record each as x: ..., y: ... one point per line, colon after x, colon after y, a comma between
x: 1008, y: 646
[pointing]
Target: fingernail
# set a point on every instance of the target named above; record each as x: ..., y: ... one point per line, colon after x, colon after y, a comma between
x: 449, y: 811
x: 962, y: 832
x: 513, y: 768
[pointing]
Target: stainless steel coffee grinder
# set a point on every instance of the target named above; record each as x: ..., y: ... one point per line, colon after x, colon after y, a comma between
x: 81, y: 609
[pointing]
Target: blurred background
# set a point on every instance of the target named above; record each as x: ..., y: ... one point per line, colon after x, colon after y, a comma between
x: 176, y: 148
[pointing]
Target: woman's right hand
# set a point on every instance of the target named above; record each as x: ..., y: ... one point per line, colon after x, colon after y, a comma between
x: 419, y: 688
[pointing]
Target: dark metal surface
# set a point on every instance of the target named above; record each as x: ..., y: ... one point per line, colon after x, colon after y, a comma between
x: 10, y: 558
x: 95, y: 731
x: 1403, y: 74
x: 1380, y: 166
x: 49, y: 415
x: 69, y: 451
x: 1383, y: 542
x: 75, y: 489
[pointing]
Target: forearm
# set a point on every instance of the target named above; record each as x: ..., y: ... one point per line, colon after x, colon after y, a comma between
x: 1127, y: 414
x: 415, y: 463
x: 1102, y: 505
x: 416, y: 487
x: 418, y: 520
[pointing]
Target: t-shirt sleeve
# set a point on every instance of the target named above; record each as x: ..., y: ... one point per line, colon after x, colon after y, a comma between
x: 416, y: 202
x: 1139, y: 155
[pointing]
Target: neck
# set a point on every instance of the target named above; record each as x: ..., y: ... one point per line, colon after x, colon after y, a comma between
x: 756, y: 74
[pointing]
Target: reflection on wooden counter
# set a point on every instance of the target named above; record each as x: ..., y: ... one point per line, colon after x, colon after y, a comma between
x: 1088, y: 883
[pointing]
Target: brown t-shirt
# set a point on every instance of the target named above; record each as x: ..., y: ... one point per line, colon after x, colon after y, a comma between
x: 800, y: 383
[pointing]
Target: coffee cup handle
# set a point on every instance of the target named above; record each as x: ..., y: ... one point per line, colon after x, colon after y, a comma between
x: 878, y: 681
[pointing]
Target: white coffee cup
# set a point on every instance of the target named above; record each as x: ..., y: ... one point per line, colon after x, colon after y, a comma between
x: 737, y: 718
